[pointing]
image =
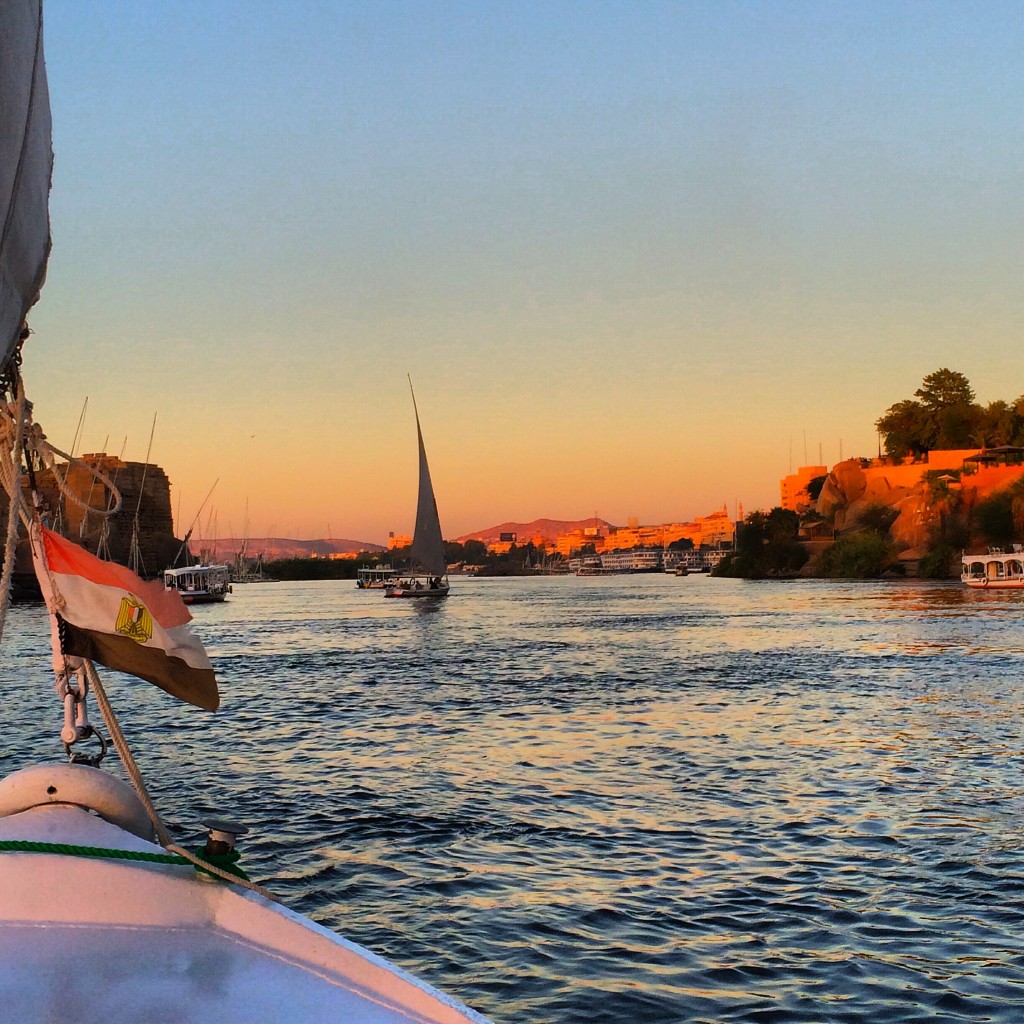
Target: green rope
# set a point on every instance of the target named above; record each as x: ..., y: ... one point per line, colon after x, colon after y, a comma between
x: 32, y: 846
x: 227, y: 862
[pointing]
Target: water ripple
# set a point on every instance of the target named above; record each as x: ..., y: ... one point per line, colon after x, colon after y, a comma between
x: 634, y: 799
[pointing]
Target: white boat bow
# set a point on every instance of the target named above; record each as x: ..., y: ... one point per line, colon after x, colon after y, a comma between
x: 87, y: 934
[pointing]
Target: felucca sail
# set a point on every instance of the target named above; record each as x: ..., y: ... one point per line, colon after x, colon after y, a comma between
x: 26, y: 164
x: 427, y: 544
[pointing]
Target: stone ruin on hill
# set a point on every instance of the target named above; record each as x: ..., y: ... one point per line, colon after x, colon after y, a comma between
x: 145, y: 491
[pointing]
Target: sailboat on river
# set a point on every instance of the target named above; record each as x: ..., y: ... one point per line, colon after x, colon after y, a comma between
x: 103, y: 916
x: 427, y: 578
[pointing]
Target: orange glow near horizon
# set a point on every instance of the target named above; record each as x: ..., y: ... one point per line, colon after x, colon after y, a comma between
x: 646, y: 272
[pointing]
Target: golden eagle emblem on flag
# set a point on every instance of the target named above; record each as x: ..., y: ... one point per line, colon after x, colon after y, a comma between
x: 134, y: 620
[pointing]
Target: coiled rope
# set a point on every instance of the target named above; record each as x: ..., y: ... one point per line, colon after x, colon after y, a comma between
x: 19, y: 436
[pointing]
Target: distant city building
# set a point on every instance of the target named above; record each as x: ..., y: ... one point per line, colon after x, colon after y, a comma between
x: 794, y: 487
x: 398, y: 540
x: 710, y: 531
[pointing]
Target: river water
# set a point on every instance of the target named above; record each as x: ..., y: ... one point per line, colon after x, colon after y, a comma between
x: 630, y: 799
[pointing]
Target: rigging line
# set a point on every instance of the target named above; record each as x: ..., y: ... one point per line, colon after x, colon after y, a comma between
x: 92, y: 487
x: 79, y: 428
x: 13, y: 517
x: 67, y: 469
x: 135, y: 775
x: 188, y: 532
x: 124, y: 752
x: 117, y: 469
x: 145, y: 469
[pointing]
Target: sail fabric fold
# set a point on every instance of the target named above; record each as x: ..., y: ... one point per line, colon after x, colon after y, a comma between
x: 109, y: 615
x: 26, y: 164
x: 427, y: 543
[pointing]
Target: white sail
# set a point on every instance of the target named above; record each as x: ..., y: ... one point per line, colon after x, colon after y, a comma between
x: 26, y: 164
x: 427, y: 544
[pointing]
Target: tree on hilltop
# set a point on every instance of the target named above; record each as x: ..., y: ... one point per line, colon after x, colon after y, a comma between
x: 944, y: 388
x: 943, y: 414
x: 905, y: 429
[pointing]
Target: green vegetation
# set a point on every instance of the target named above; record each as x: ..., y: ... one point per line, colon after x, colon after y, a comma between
x: 944, y: 414
x: 999, y: 519
x: 859, y: 556
x: 519, y: 561
x: 878, y: 519
x: 814, y: 487
x: 940, y: 562
x: 766, y: 546
x: 316, y: 568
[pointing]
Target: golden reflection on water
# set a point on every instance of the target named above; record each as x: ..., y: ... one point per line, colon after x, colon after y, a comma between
x: 736, y: 801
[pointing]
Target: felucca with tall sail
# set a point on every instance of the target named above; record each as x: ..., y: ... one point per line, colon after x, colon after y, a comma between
x: 102, y: 916
x: 428, y: 575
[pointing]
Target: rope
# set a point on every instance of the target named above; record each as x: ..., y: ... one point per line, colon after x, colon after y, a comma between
x: 224, y: 867
x: 124, y: 752
x: 11, y: 471
x: 32, y: 846
x: 14, y: 421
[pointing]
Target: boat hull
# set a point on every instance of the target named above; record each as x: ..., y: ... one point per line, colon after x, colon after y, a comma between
x: 125, y: 939
x: 1017, y: 583
x: 425, y: 594
x: 203, y: 598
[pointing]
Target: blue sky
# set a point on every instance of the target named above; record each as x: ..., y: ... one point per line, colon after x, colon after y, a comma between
x: 632, y: 254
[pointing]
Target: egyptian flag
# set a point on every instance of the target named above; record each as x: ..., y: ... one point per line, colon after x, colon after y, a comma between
x: 107, y: 614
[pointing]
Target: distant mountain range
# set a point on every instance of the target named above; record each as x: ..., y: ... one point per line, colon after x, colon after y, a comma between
x: 548, y: 529
x: 226, y: 549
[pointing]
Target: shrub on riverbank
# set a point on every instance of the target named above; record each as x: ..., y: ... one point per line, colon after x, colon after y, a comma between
x: 859, y: 556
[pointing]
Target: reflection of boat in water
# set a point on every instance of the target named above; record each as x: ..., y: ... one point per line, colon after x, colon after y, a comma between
x: 428, y: 577
x: 199, y: 584
x: 376, y: 578
x: 100, y: 912
x: 996, y: 570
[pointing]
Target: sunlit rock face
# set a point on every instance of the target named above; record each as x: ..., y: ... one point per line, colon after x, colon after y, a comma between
x: 850, y: 490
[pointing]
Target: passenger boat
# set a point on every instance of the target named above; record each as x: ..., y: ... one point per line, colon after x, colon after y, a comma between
x: 199, y: 584
x: 375, y: 578
x: 995, y: 570
x: 427, y: 579
x: 102, y: 916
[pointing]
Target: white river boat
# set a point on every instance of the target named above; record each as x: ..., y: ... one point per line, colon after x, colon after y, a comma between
x: 995, y: 570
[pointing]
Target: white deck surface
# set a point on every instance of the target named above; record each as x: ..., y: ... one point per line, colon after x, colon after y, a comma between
x: 109, y: 940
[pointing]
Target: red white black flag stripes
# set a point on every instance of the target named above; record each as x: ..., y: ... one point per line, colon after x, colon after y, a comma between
x: 109, y: 615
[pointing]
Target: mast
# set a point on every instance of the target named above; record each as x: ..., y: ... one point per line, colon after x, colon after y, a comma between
x: 135, y: 562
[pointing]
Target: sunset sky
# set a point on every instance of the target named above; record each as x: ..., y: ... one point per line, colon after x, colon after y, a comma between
x: 636, y: 257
